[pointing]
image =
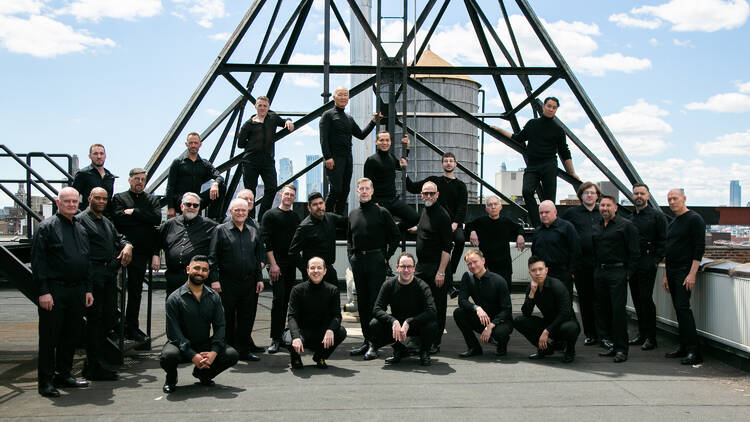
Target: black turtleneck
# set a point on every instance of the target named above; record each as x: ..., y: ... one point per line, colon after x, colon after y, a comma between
x: 372, y: 227
x: 452, y: 195
x: 336, y: 130
x: 434, y: 234
x: 314, y: 306
x: 381, y: 168
x: 545, y: 138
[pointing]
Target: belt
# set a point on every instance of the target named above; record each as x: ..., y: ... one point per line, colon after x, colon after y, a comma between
x: 107, y: 263
x: 613, y: 265
x: 371, y: 251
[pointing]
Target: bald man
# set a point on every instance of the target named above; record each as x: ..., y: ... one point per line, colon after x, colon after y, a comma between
x: 556, y: 242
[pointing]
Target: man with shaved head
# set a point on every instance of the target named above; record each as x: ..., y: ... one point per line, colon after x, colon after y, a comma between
x: 60, y: 267
x: 556, y: 242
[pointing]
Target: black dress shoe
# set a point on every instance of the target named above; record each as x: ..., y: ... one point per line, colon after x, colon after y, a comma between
x: 620, y: 357
x: 320, y: 363
x: 424, y: 358
x: 568, y: 357
x: 649, y: 344
x: 502, y: 349
x: 255, y: 349
x: 249, y: 357
x: 389, y: 271
x: 361, y: 350
x: 590, y: 341
x: 540, y: 354
x: 606, y: 344
x: 453, y: 292
x: 48, y: 390
x: 68, y: 382
x: 372, y: 353
x: 169, y: 388
x: 677, y: 353
x: 472, y: 351
x: 136, y: 336
x: 274, y: 347
x: 398, y: 354
x: 692, y: 359
x: 636, y: 341
x: 608, y: 353
x: 297, y: 363
x: 435, y: 348
x: 207, y: 382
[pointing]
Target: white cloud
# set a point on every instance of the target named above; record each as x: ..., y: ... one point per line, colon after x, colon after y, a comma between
x: 569, y: 112
x: 306, y: 130
x: 41, y: 36
x: 625, y: 20
x: 339, y: 56
x: 338, y: 38
x: 699, y: 15
x: 307, y: 81
x: 598, y: 66
x: 94, y: 10
x: 731, y: 145
x: 680, y: 43
x: 213, y: 112
x: 205, y: 10
x: 723, y: 103
x: 299, y: 144
x: 744, y: 87
x: 220, y: 36
x: 654, y: 42
x: 11, y: 7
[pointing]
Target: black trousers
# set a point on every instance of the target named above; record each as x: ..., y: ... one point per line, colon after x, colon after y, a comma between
x: 312, y: 339
x: 59, y: 331
x: 468, y: 323
x: 563, y: 274
x: 398, y: 208
x: 382, y: 334
x: 239, y: 312
x: 171, y: 357
x: 369, y: 275
x: 426, y: 272
x: 136, y: 272
x: 174, y: 279
x: 458, y: 249
x: 100, y: 318
x: 681, y: 302
x: 213, y: 207
x: 502, y: 268
x: 540, y: 178
x: 532, y: 326
x: 282, y: 289
x: 611, y: 286
x: 261, y: 164
x: 642, y: 291
x: 339, y: 181
x: 584, y: 281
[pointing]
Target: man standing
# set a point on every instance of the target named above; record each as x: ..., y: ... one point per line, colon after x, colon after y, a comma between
x: 412, y: 313
x: 257, y: 138
x: 372, y: 238
x: 182, y: 238
x: 314, y: 317
x: 545, y: 139
x: 136, y: 214
x: 434, y: 243
x: 491, y: 314
x: 684, y: 251
x: 336, y: 130
x: 60, y: 266
x: 586, y: 218
x: 235, y: 255
x: 493, y: 234
x: 195, y: 330
x: 616, y: 251
x: 556, y: 243
x: 94, y: 176
x: 191, y: 173
x: 557, y: 328
x: 279, y: 225
x: 104, y: 244
x: 652, y: 232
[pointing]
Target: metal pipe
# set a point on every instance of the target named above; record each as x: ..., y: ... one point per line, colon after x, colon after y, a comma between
x: 481, y: 161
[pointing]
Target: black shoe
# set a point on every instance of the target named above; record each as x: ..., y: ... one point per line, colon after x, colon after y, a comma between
x: 606, y: 344
x: 472, y: 351
x: 540, y: 354
x: 637, y: 340
x: 255, y: 349
x: 608, y: 353
x: 372, y: 353
x: 677, y: 353
x: 389, y: 271
x: 620, y: 357
x: 320, y: 363
x: 453, y: 292
x: 68, y: 382
x: 569, y: 356
x: 590, y: 341
x: 100, y: 374
x: 249, y: 357
x: 297, y: 362
x: 207, y: 382
x: 692, y: 358
x: 48, y: 390
x: 361, y: 350
x: 424, y: 358
x: 398, y: 354
x: 502, y: 349
x: 274, y: 347
x: 136, y: 336
x: 169, y: 388
x: 435, y: 348
x: 649, y: 344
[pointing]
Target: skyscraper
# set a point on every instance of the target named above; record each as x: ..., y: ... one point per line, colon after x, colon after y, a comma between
x: 735, y: 193
x: 314, y: 177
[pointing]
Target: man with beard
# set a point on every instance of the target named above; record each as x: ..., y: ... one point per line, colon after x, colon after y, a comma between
x: 193, y: 312
x: 182, y: 238
x: 235, y: 255
x: 556, y: 242
x: 94, y: 176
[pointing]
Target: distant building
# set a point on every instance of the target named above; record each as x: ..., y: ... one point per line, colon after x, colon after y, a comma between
x: 609, y: 188
x: 570, y: 200
x: 510, y: 183
x: 314, y: 177
x: 735, y: 194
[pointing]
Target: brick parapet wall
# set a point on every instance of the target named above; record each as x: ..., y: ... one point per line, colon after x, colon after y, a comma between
x: 740, y: 254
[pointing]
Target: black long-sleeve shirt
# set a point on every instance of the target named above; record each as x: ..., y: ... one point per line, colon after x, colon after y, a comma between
x: 381, y: 168
x: 452, y: 195
x: 235, y: 256
x: 140, y: 226
x: 60, y: 253
x: 371, y: 227
x: 617, y: 242
x: 495, y: 237
x: 105, y: 242
x: 434, y: 234
x: 258, y: 137
x: 686, y: 240
x: 314, y: 306
x: 181, y: 239
x: 277, y: 230
x: 186, y: 175
x: 88, y: 178
x: 490, y: 292
x: 189, y: 322
x: 315, y: 237
x: 553, y: 300
x: 652, y: 231
x: 557, y: 244
x: 336, y: 130
x: 410, y: 303
x: 545, y: 138
x: 585, y: 222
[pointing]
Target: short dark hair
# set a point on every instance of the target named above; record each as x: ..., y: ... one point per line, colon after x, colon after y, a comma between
x: 91, y: 148
x: 194, y: 134
x: 586, y: 185
x: 263, y: 98
x: 610, y: 197
x: 641, y: 185
x: 383, y: 132
x: 553, y: 99
x: 408, y: 255
x: 313, y: 196
x: 199, y: 258
x: 533, y: 259
x: 476, y: 252
x: 135, y: 171
x: 448, y: 155
x: 290, y: 186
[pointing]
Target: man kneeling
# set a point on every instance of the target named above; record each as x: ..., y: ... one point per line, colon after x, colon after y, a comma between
x: 413, y: 313
x: 314, y: 317
x: 193, y: 310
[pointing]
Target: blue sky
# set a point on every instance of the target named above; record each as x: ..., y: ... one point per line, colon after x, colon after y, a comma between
x: 669, y: 76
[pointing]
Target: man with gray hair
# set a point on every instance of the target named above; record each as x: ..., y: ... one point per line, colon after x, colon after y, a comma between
x: 181, y: 238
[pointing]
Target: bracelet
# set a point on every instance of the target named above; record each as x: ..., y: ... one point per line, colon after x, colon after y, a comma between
x: 443, y: 274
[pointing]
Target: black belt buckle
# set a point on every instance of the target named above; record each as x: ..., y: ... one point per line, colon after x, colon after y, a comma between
x: 613, y: 265
x: 371, y: 251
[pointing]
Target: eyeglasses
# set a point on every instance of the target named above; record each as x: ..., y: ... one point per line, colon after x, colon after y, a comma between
x: 406, y: 267
x: 590, y: 193
x: 191, y: 205
x: 429, y: 193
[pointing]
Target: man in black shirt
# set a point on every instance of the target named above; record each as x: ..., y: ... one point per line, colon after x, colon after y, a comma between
x: 556, y: 242
x: 256, y: 137
x: 372, y: 238
x: 684, y: 251
x: 279, y: 225
x: 104, y: 244
x: 652, y: 232
x: 316, y: 236
x: 314, y: 317
x: 412, y: 313
x: 136, y: 214
x: 235, y: 255
x: 60, y: 267
x: 493, y: 234
x: 616, y: 251
x: 491, y: 314
x: 191, y: 173
x: 181, y: 238
x: 434, y: 241
x: 545, y: 139
x: 558, y: 327
x: 195, y: 330
x: 586, y: 218
x: 336, y: 131
x: 93, y: 176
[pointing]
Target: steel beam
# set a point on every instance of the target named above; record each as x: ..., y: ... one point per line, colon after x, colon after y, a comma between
x: 340, y: 20
x: 412, y: 34
x: 413, y: 70
x: 287, y: 54
x: 366, y: 27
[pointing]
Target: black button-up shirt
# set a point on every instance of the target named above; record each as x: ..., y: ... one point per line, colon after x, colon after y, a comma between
x: 336, y: 130
x: 495, y: 237
x: 181, y: 240
x: 104, y: 240
x: 617, y: 242
x: 315, y: 237
x: 686, y: 240
x: 585, y: 222
x: 60, y: 254
x: 89, y: 178
x: 372, y: 227
x: 314, y: 307
x: 189, y: 322
x: 411, y: 302
x: 434, y: 234
x: 140, y: 226
x: 557, y: 244
x: 259, y: 137
x: 490, y: 292
x: 186, y: 175
x: 553, y: 300
x: 235, y: 256
x: 278, y: 229
x: 453, y: 196
x: 652, y: 231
